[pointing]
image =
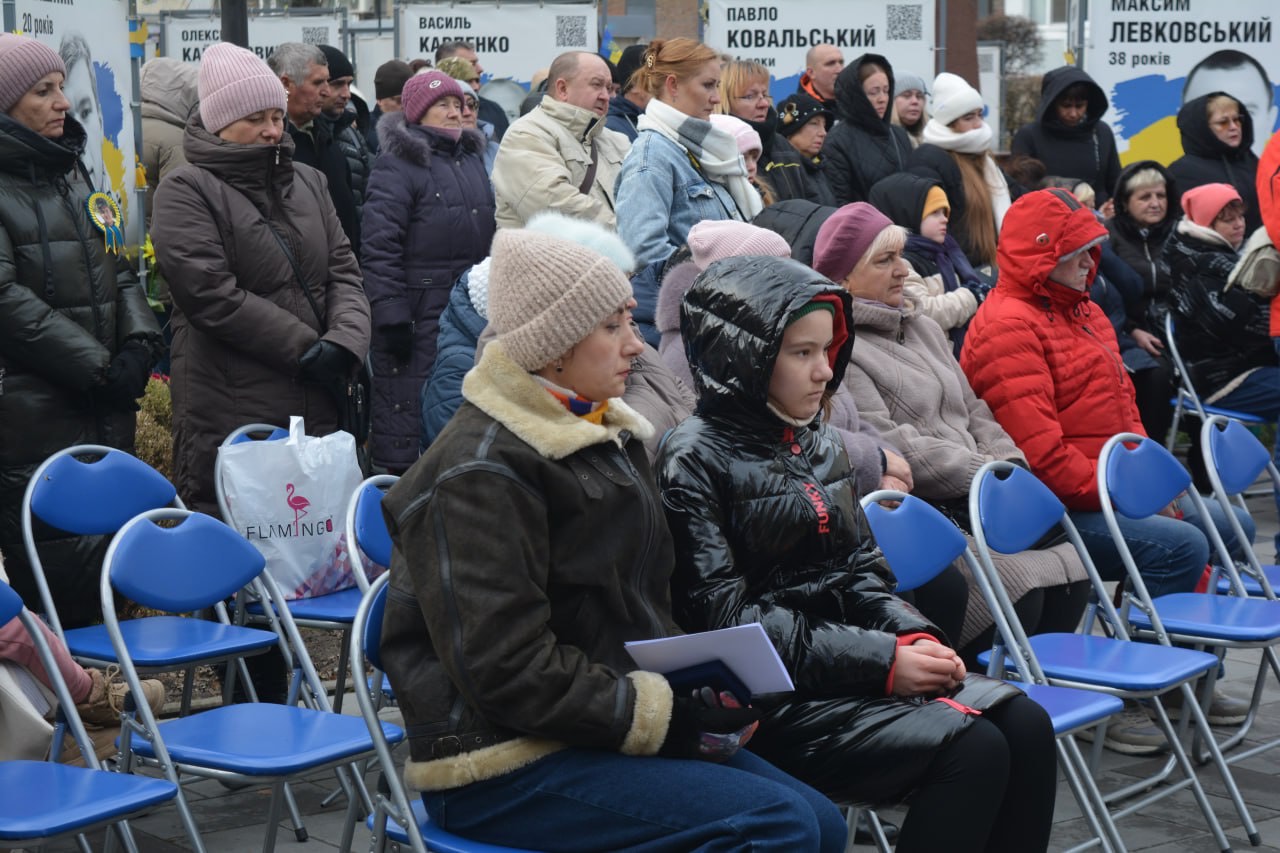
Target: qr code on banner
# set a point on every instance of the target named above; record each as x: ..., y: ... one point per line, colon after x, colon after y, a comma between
x: 905, y: 22
x: 315, y: 35
x: 571, y: 30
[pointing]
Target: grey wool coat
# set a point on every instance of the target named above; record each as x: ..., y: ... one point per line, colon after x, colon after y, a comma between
x: 909, y: 386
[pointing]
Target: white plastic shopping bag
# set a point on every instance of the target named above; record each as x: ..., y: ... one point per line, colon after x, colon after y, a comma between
x: 289, y: 498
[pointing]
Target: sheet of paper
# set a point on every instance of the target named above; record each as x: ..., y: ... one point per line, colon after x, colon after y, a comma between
x: 745, y: 649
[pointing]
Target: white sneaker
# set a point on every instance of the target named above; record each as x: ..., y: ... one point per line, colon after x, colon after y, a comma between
x: 1130, y: 732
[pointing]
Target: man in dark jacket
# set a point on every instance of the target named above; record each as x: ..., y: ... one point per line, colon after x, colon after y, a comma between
x: 626, y: 107
x: 1069, y: 135
x: 304, y: 71
x: 388, y: 83
x: 341, y: 114
x: 822, y: 65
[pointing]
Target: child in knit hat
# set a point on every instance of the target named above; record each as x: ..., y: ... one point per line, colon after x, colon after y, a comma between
x: 530, y: 547
x: 750, y: 147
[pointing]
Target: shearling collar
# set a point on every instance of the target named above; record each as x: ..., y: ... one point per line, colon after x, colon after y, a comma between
x: 416, y: 143
x: 505, y: 392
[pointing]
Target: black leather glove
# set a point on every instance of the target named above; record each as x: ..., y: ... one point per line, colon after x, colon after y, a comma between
x: 325, y: 362
x: 701, y: 729
x: 126, y: 378
x: 398, y: 340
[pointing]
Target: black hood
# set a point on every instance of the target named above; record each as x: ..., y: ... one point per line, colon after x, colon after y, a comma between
x: 767, y: 129
x: 901, y: 197
x: 796, y: 220
x: 1198, y: 138
x: 1124, y: 221
x: 733, y: 319
x: 853, y: 106
x: 25, y: 152
x: 1054, y: 84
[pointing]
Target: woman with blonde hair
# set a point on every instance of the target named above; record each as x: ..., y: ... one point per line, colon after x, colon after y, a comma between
x: 957, y: 152
x: 680, y: 170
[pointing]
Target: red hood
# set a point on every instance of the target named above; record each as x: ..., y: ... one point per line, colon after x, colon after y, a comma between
x: 1040, y: 228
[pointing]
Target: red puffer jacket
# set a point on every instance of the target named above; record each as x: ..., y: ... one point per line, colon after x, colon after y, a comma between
x: 1045, y: 358
x: 1269, y: 204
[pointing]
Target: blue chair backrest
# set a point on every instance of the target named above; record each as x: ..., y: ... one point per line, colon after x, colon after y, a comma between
x: 98, y: 497
x: 1145, y: 479
x: 371, y: 529
x: 371, y: 639
x: 179, y: 569
x: 1016, y: 510
x: 1237, y: 455
x: 10, y: 603
x: 275, y: 435
x: 917, y: 540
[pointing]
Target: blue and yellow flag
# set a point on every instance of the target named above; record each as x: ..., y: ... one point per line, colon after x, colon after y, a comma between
x: 609, y: 47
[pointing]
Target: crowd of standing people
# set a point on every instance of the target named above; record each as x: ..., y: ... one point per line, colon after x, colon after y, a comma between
x: 636, y: 354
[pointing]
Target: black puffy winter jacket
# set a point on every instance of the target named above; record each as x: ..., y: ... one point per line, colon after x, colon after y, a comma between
x: 767, y: 529
x: 1206, y: 159
x: 863, y: 147
x: 64, y: 314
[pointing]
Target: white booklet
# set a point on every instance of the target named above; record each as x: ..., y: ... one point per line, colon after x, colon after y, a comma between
x: 744, y: 649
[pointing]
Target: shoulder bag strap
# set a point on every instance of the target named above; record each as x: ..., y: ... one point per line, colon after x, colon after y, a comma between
x: 585, y: 186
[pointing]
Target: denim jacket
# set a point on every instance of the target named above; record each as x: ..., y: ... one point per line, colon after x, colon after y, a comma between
x: 660, y: 196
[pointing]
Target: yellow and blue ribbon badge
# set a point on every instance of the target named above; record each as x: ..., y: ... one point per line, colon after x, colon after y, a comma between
x: 104, y: 213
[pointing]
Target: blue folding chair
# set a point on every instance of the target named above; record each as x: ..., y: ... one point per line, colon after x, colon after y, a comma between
x: 1140, y: 481
x: 919, y: 542
x: 251, y: 743
x: 371, y: 541
x: 1234, y: 459
x: 1011, y: 509
x: 387, y: 822
x: 1186, y: 400
x: 44, y: 800
x: 331, y: 612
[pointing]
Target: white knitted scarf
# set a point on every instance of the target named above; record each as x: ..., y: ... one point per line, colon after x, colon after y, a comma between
x: 976, y: 141
x: 715, y: 151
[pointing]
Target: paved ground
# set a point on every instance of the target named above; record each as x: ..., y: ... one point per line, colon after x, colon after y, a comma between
x: 233, y: 821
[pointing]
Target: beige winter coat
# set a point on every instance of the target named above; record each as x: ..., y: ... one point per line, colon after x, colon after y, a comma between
x: 908, y: 385
x: 948, y: 309
x: 544, y: 159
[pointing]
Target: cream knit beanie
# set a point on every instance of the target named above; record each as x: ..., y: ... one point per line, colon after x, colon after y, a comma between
x: 547, y: 294
x: 953, y: 97
x: 235, y: 83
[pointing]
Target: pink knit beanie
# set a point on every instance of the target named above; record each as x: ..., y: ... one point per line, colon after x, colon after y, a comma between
x: 845, y: 237
x: 423, y: 90
x: 714, y: 239
x: 23, y: 63
x: 235, y: 83
x: 1203, y: 204
x: 742, y: 133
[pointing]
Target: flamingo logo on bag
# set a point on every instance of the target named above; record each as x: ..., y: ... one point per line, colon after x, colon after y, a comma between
x: 297, y: 503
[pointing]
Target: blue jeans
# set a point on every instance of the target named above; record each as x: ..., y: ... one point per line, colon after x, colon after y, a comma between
x: 579, y: 799
x: 1259, y: 395
x: 1170, y: 554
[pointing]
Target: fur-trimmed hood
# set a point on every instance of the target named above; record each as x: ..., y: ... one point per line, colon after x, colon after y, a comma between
x: 416, y: 143
x: 505, y: 392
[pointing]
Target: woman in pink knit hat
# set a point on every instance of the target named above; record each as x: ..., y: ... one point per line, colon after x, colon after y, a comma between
x: 77, y: 339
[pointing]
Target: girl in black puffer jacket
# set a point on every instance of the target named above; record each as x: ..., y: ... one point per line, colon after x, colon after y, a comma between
x: 762, y: 504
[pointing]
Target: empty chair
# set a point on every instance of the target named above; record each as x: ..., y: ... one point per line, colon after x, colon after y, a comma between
x: 918, y: 542
x: 44, y: 800
x: 252, y: 743
x: 1234, y: 459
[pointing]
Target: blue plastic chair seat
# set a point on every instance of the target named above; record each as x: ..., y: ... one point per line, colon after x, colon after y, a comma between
x: 1251, y: 584
x: 260, y: 739
x: 1070, y: 708
x: 438, y: 841
x: 1243, y: 417
x: 1218, y: 617
x: 335, y: 607
x: 44, y: 800
x: 1136, y: 667
x: 169, y: 641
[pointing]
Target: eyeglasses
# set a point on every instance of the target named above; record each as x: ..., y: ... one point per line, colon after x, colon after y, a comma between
x: 755, y: 95
x: 469, y: 105
x: 1227, y: 121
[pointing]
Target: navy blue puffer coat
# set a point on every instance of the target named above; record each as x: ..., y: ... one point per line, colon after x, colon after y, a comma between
x: 428, y: 216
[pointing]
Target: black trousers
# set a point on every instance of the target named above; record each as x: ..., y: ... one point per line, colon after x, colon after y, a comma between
x: 990, y: 790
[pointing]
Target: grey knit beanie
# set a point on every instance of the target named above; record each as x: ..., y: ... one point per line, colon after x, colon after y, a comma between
x: 23, y: 63
x: 547, y: 294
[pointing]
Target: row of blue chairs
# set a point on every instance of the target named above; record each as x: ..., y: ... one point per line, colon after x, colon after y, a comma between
x: 1081, y: 678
